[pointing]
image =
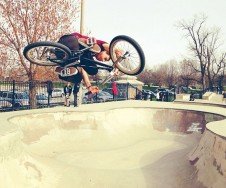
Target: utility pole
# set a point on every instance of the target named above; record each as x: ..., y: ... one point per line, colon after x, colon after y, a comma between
x: 82, y: 17
x: 78, y: 94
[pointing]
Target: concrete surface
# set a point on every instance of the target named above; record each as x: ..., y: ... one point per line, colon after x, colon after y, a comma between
x: 115, y: 144
x: 208, y: 97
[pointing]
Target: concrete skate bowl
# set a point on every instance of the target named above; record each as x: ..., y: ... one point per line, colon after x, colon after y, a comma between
x: 126, y: 147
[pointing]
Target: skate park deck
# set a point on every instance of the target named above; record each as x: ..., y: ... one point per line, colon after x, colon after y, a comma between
x: 115, y: 144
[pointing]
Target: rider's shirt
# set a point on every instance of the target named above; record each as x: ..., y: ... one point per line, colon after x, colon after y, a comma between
x: 99, y: 42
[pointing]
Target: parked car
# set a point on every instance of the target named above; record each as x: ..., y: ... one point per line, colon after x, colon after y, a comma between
x: 57, y: 92
x: 102, y: 96
x: 87, y: 99
x: 160, y: 90
x: 108, y: 90
x: 147, y: 94
x: 42, y: 99
x: 5, y: 104
x: 20, y: 98
x: 164, y: 90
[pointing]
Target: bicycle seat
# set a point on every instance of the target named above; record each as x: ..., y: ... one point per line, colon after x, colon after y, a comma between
x: 96, y: 48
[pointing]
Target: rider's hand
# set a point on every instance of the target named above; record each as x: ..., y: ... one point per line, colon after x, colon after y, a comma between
x: 93, y: 89
x: 118, y: 53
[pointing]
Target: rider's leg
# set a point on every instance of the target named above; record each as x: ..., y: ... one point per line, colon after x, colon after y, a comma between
x: 82, y: 74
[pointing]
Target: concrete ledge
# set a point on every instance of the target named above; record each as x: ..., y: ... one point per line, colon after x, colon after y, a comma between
x: 207, y: 95
x: 183, y: 97
x: 213, y: 97
x: 201, y: 102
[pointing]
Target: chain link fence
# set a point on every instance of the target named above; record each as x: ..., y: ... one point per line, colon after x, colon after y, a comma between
x: 15, y: 95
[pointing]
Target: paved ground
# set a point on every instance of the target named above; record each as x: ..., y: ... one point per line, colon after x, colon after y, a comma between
x: 113, y: 144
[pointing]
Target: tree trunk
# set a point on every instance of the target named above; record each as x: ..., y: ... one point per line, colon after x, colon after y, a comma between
x: 203, y: 81
x: 32, y: 92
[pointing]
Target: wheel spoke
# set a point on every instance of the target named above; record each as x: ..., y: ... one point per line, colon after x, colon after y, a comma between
x: 46, y: 54
x: 132, y: 62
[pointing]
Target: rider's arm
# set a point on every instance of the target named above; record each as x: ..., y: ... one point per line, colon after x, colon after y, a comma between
x: 106, y: 47
x: 117, y: 52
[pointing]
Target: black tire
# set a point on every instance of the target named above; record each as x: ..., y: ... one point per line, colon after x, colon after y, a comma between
x: 135, y: 53
x: 101, y: 100
x: 17, y: 106
x: 47, y: 53
x: 84, y: 100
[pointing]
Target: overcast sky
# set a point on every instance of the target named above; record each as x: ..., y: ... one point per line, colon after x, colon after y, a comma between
x: 152, y: 23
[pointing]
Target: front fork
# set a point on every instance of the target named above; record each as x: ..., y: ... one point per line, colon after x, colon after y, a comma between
x: 115, y: 69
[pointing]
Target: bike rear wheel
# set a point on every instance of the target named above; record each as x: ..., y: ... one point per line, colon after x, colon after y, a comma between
x: 134, y: 61
x: 47, y: 53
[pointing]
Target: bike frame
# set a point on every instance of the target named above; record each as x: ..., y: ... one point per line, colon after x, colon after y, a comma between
x: 99, y: 64
x: 77, y: 58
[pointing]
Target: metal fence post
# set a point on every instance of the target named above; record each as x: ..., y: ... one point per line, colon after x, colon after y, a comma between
x: 174, y: 95
x: 48, y: 103
x: 75, y: 99
x: 49, y: 90
x: 127, y: 96
x: 13, y: 97
x: 75, y: 93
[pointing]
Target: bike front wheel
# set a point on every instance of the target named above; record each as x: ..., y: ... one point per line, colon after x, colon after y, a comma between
x: 132, y: 60
x: 47, y: 53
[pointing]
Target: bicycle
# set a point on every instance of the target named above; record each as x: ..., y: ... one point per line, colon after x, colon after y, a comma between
x: 47, y: 53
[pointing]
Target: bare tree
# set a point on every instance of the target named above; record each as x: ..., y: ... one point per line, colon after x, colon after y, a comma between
x: 25, y: 21
x: 157, y: 75
x: 197, y: 37
x: 165, y: 74
x: 203, y: 44
x: 215, y: 62
x: 145, y: 76
x: 171, y: 73
x: 187, y: 76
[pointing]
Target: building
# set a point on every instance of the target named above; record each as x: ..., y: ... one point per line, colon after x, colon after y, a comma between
x: 131, y: 83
